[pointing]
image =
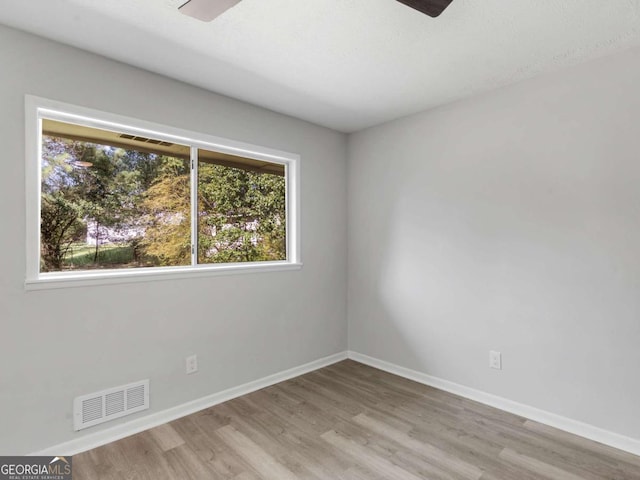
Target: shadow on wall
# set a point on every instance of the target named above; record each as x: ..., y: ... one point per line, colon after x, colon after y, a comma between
x: 512, y: 256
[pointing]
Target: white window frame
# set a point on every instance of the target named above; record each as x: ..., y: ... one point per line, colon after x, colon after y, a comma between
x: 37, y: 108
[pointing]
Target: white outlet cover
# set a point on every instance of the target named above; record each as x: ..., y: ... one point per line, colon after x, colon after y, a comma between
x: 192, y: 364
x: 495, y: 360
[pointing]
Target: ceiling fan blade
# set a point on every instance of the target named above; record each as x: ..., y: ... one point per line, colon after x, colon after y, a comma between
x: 433, y: 8
x: 206, y: 10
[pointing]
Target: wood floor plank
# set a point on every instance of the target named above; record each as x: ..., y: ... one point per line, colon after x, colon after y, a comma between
x: 279, y: 440
x: 306, y: 435
x: 474, y: 431
x: 210, y: 451
x: 604, y: 453
x: 166, y: 437
x: 362, y: 454
x: 562, y: 455
x: 253, y: 454
x: 185, y: 464
x: 536, y: 466
x: 434, y: 455
x: 353, y: 422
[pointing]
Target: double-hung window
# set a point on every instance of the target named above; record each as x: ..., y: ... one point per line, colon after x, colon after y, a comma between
x: 112, y: 198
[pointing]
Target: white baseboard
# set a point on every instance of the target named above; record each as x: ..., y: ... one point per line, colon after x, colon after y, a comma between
x: 102, y: 437
x: 585, y: 430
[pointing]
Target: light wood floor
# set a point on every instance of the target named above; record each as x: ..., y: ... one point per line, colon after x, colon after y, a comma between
x: 350, y: 421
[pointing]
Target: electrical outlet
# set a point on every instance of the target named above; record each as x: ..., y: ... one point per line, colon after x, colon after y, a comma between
x: 192, y: 364
x: 495, y: 360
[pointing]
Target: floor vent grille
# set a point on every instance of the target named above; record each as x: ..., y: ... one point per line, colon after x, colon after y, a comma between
x: 100, y: 407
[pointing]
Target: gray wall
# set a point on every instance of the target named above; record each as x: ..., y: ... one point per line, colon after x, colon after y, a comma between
x: 57, y: 344
x: 510, y: 221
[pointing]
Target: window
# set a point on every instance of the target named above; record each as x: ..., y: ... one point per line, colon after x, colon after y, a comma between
x: 112, y: 198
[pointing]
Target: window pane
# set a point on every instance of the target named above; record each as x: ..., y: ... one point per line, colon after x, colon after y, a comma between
x: 241, y: 209
x: 112, y: 200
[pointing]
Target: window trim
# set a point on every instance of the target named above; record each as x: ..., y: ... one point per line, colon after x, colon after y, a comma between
x: 37, y: 107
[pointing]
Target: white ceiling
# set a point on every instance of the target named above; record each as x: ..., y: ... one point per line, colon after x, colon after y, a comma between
x: 345, y: 64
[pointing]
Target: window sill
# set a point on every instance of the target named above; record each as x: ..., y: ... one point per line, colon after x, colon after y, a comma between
x: 91, y: 278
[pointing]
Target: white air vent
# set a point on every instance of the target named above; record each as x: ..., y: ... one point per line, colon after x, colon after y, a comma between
x: 100, y: 407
